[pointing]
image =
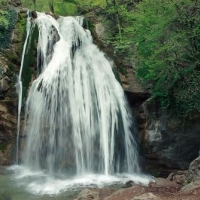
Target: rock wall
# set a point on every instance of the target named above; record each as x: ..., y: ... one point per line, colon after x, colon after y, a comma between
x: 10, y: 57
x: 169, y: 142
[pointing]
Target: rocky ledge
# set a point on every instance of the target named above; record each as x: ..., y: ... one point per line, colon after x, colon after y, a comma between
x: 161, y: 189
x: 182, y: 185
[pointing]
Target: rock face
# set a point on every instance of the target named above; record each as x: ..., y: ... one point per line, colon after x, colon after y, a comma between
x: 4, y: 84
x: 168, y: 140
x: 9, y: 69
x: 8, y: 112
x: 134, y: 91
x: 8, y: 123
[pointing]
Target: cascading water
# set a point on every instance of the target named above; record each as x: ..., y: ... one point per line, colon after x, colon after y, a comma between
x: 77, y: 120
x: 76, y: 117
x: 19, y: 85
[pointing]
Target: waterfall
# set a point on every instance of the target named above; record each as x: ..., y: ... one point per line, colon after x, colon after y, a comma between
x: 77, y: 120
x: 19, y: 85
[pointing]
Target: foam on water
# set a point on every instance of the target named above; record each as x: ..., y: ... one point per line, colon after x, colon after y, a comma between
x: 39, y: 183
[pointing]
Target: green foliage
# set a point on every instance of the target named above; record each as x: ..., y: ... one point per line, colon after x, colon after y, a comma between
x: 3, y: 19
x: 66, y: 8
x: 61, y: 7
x: 7, y: 21
x: 167, y: 35
x: 85, y: 6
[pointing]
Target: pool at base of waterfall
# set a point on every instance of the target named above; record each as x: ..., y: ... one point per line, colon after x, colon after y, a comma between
x: 20, y: 183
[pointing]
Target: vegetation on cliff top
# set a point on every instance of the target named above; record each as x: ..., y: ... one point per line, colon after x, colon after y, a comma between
x: 59, y: 7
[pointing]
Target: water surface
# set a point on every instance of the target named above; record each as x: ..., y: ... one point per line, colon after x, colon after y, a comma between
x: 19, y: 183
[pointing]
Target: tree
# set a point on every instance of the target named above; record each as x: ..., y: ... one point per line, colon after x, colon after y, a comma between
x: 167, y: 35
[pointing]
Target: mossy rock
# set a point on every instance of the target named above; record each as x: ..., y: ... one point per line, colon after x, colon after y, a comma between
x: 20, y: 29
x: 3, y: 146
x: 13, y: 57
x: 6, y: 31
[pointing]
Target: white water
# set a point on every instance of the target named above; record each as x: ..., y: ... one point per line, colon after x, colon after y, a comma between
x: 19, y: 84
x: 77, y: 122
x: 40, y: 183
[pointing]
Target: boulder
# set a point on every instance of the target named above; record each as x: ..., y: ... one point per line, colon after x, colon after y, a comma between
x: 4, y: 84
x: 164, y: 183
x: 194, y: 170
x: 178, y: 177
x: 128, y: 184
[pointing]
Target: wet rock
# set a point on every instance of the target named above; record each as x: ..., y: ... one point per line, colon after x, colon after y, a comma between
x: 194, y: 170
x: 33, y: 14
x: 9, y: 68
x: 5, y: 154
x: 164, y: 183
x: 4, y: 84
x: 128, y: 184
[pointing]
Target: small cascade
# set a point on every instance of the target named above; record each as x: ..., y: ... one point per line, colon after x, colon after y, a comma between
x: 19, y: 85
x: 77, y: 120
